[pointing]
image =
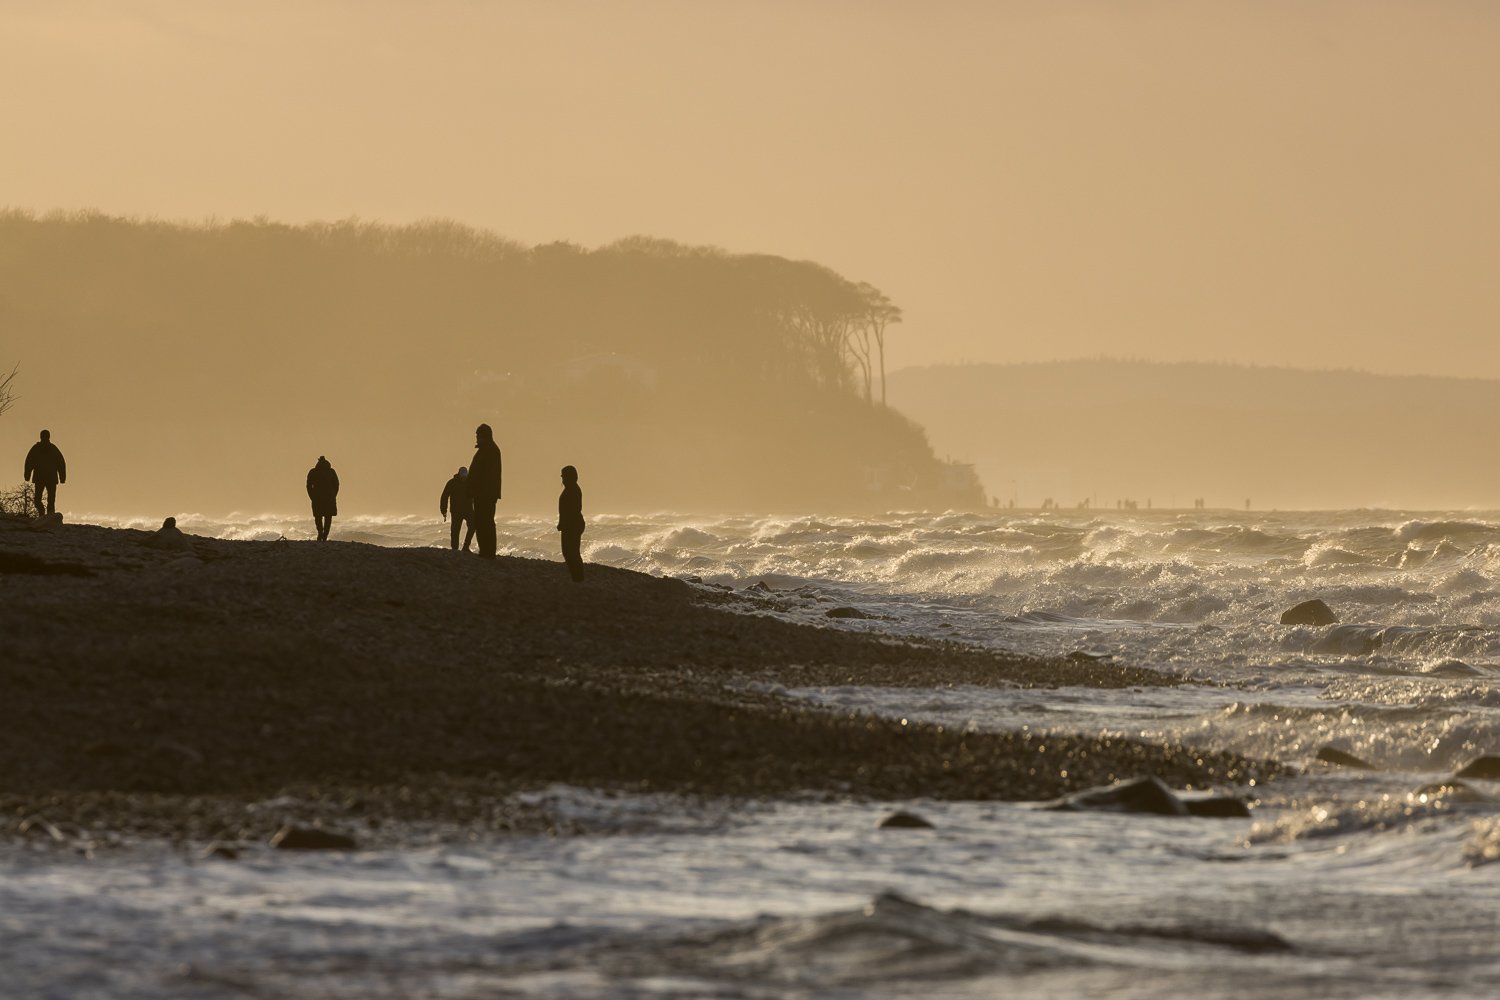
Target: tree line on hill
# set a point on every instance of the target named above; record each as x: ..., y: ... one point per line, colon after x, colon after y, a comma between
x: 764, y: 374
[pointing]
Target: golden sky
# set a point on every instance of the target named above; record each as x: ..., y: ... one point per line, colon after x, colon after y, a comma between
x: 1301, y: 183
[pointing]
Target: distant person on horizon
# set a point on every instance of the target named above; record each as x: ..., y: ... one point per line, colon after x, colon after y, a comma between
x: 484, y: 487
x: 45, y: 468
x: 456, y: 496
x: 323, y: 491
x: 570, y: 522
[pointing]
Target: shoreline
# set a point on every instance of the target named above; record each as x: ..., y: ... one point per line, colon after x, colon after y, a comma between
x: 162, y: 693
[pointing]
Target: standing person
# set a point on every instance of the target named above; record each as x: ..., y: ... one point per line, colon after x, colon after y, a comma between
x: 484, y: 487
x: 323, y: 491
x: 570, y: 522
x: 456, y: 495
x: 45, y: 468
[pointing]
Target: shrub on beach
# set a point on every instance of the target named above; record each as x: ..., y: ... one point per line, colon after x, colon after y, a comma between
x: 16, y: 501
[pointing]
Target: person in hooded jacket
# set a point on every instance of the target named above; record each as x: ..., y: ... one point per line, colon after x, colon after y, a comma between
x: 570, y: 522
x: 484, y: 487
x: 323, y: 491
x: 456, y: 496
x: 45, y: 468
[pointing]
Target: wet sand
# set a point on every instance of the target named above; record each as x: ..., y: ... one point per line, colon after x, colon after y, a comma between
x: 173, y: 693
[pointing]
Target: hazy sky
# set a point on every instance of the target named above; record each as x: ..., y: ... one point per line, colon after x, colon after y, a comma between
x: 1308, y: 183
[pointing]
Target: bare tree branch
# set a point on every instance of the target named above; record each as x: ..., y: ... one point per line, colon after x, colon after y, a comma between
x: 7, y: 393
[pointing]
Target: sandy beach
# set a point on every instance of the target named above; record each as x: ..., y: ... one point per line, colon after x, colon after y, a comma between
x: 163, y: 693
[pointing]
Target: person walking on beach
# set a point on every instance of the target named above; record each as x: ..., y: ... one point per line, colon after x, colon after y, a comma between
x: 45, y: 468
x: 456, y: 495
x: 484, y: 487
x: 323, y: 491
x: 570, y: 522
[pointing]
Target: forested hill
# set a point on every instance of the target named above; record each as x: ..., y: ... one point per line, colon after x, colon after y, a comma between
x: 206, y: 367
x: 1106, y: 430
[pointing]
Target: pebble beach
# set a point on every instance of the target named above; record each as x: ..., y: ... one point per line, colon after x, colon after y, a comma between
x: 164, y: 692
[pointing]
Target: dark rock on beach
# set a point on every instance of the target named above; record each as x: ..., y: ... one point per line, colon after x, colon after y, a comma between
x: 1251, y: 940
x: 297, y: 838
x: 904, y: 820
x: 430, y: 689
x: 1313, y: 612
x: 1485, y: 768
x: 1150, y: 795
x: 38, y: 826
x: 169, y: 538
x: 48, y: 522
x: 1138, y: 795
x: 1455, y: 791
x: 1216, y: 806
x: 1333, y: 755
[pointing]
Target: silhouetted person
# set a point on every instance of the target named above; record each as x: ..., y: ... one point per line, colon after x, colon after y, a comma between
x: 484, y: 487
x: 570, y: 522
x: 45, y: 468
x: 323, y: 491
x: 456, y: 496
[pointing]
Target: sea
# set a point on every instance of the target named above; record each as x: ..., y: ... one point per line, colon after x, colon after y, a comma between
x: 1344, y: 881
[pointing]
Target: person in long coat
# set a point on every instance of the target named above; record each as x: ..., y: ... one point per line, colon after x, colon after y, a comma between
x: 484, y: 487
x: 570, y: 522
x: 323, y: 491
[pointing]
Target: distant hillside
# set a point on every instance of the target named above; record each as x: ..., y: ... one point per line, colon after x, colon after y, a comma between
x: 206, y: 367
x: 1170, y: 433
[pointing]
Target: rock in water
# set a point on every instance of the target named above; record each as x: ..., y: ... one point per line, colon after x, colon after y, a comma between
x: 846, y: 613
x: 1485, y: 768
x: 1139, y: 795
x: 303, y: 838
x: 1451, y: 668
x: 169, y: 538
x: 1333, y: 755
x: 1148, y: 795
x: 1217, y: 807
x: 905, y: 821
x: 37, y: 826
x: 1313, y: 612
x: 1455, y: 791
